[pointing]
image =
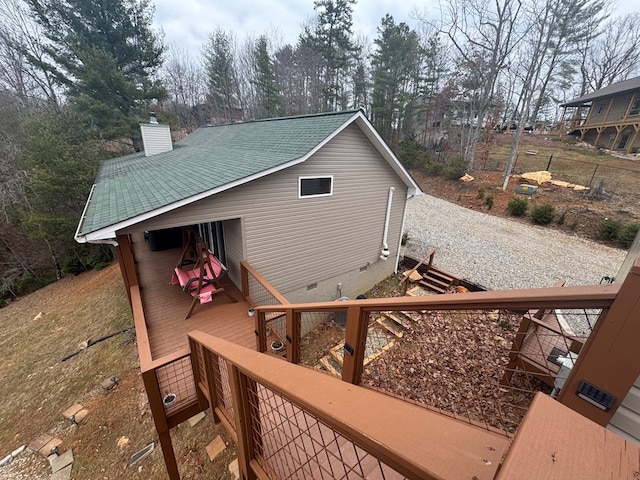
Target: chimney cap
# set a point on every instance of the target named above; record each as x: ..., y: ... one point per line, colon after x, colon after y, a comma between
x: 152, y: 117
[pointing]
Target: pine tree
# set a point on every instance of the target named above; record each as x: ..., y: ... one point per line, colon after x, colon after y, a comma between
x: 332, y: 40
x: 221, y: 75
x: 267, y: 91
x: 105, y: 54
x: 396, y: 80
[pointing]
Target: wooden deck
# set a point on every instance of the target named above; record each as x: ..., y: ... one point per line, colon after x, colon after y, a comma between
x: 165, y: 305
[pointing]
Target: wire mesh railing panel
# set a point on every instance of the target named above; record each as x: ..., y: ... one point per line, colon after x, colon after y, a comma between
x: 222, y: 387
x: 259, y: 294
x: 176, y: 383
x: 453, y: 361
x: 291, y: 443
x: 276, y: 333
x: 322, y: 340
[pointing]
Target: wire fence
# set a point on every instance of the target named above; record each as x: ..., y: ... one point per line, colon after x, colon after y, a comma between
x: 599, y: 175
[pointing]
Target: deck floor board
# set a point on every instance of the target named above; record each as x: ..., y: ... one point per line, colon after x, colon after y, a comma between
x: 165, y: 305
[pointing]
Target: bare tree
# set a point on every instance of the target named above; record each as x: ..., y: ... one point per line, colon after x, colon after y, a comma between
x: 484, y: 34
x: 21, y: 51
x: 611, y: 57
x: 184, y: 80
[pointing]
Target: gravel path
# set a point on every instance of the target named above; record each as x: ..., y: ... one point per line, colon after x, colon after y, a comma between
x: 500, y: 253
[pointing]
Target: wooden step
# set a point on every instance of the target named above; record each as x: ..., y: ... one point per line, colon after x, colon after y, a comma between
x: 330, y: 364
x: 436, y: 281
x: 399, y: 318
x: 433, y: 287
x: 391, y: 326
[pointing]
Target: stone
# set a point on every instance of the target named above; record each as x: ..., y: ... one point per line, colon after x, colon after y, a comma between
x: 61, y: 461
x: 234, y: 469
x: 109, y: 383
x: 215, y: 448
x: 195, y: 419
x: 39, y: 442
x: 62, y: 474
x: 46, y: 449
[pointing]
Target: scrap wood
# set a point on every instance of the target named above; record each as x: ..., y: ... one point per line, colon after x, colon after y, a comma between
x: 538, y: 177
x: 467, y: 178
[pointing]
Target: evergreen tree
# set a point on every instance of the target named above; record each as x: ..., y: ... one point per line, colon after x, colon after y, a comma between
x: 220, y: 72
x: 332, y: 39
x: 105, y: 54
x: 267, y: 91
x: 396, y: 80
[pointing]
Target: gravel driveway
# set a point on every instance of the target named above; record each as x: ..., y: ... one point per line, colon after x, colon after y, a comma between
x: 500, y: 253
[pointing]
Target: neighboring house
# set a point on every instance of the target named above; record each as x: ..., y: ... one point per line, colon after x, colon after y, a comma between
x: 292, y: 196
x: 607, y: 118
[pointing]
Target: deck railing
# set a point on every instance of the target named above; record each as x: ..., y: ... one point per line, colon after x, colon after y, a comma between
x: 456, y: 353
x: 292, y: 422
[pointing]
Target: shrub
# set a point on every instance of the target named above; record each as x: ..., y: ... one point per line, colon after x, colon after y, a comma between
x: 456, y: 168
x: 518, y: 206
x: 543, y: 214
x: 627, y: 234
x: 480, y: 193
x: 488, y: 200
x: 610, y: 229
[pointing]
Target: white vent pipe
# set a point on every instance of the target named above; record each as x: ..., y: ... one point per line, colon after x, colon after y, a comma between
x: 384, y: 254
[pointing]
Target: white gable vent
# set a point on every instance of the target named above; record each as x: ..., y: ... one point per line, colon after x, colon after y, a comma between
x: 156, y: 138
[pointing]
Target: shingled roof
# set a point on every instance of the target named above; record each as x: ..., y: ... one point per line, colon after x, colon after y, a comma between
x: 210, y: 160
x: 613, y: 89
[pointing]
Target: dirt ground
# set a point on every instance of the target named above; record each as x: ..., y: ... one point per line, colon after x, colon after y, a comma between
x: 577, y: 212
x: 36, y: 332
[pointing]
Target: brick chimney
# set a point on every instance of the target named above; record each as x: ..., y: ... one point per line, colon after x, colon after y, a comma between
x: 156, y: 138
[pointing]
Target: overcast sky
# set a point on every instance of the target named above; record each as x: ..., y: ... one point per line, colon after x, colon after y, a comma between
x: 187, y: 23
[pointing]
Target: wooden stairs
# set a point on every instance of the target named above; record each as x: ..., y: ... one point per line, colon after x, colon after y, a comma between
x: 437, y: 280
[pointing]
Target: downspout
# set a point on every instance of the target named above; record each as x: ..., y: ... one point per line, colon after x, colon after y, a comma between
x: 384, y: 254
x: 404, y: 218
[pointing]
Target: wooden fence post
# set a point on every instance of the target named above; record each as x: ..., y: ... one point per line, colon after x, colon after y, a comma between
x: 355, y: 344
x: 609, y: 360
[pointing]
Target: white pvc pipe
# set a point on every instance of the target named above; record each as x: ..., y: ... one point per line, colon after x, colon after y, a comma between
x: 384, y: 254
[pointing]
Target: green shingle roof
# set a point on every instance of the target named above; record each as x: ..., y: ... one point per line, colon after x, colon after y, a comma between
x: 208, y: 159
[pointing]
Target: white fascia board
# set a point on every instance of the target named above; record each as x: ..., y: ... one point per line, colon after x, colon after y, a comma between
x: 109, y: 233
x: 385, y: 151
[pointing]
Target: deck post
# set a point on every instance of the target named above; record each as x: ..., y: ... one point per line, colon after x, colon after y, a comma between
x: 244, y: 279
x: 609, y: 359
x: 126, y: 261
x: 293, y: 335
x: 261, y: 331
x: 355, y: 344
x: 157, y: 411
x: 239, y: 384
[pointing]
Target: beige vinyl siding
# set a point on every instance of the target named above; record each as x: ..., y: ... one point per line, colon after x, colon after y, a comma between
x: 295, y: 242
x: 626, y: 421
x: 233, y: 248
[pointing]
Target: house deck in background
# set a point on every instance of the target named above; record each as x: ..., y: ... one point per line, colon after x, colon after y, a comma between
x: 607, y: 118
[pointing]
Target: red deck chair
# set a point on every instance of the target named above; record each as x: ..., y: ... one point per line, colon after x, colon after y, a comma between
x: 203, y: 280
